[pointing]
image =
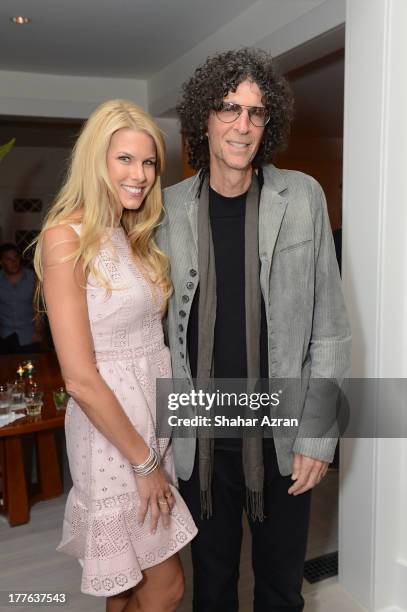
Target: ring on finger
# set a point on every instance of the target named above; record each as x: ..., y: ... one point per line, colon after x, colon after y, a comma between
x: 162, y: 502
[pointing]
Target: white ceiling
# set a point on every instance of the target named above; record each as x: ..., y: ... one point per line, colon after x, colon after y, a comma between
x: 138, y: 38
x: 113, y: 38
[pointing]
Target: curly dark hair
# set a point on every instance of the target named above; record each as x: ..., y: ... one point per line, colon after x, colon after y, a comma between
x: 210, y: 84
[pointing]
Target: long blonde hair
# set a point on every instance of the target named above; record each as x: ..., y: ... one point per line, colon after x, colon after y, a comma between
x: 88, y: 194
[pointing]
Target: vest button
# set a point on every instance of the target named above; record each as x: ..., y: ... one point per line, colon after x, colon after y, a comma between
x: 192, y: 272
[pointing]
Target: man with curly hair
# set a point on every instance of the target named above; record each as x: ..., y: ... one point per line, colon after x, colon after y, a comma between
x: 257, y: 294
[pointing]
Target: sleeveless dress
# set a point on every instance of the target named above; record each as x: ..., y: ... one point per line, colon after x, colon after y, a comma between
x: 100, y: 524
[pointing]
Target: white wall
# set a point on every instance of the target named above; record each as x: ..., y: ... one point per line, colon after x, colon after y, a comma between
x: 47, y: 95
x: 373, y: 502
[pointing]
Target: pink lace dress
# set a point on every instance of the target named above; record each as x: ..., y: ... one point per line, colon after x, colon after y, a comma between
x: 100, y: 523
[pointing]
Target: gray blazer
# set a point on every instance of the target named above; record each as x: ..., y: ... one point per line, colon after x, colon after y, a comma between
x: 308, y: 330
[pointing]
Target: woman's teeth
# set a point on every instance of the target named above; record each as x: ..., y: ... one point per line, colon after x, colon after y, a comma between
x: 133, y: 190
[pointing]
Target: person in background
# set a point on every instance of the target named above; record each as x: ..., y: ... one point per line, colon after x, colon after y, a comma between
x: 257, y: 294
x: 20, y: 331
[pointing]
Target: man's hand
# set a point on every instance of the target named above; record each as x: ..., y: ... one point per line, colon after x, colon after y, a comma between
x: 307, y: 472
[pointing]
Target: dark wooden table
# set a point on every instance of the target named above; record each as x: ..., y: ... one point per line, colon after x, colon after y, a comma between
x: 17, y: 494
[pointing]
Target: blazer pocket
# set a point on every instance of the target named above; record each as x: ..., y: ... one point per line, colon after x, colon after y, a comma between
x: 292, y: 247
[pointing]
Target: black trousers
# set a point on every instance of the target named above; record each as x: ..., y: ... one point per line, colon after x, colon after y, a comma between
x: 278, y: 543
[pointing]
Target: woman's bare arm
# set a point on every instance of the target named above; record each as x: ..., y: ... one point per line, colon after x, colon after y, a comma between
x: 65, y: 298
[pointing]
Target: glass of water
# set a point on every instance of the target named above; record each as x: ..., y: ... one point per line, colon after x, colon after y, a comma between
x: 17, y: 395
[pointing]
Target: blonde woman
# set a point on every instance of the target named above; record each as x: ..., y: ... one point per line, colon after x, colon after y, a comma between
x: 105, y: 284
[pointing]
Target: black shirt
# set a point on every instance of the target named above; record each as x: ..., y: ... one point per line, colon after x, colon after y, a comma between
x: 227, y: 218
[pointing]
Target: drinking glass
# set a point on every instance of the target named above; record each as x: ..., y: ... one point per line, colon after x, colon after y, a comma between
x: 17, y: 395
x: 61, y: 398
x: 33, y: 402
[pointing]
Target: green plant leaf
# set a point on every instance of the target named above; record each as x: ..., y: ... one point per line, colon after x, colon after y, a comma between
x: 6, y: 148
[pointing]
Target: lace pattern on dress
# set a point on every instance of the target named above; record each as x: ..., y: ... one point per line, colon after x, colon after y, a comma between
x: 151, y: 323
x: 112, y: 583
x: 128, y: 354
x: 111, y: 267
x: 111, y: 529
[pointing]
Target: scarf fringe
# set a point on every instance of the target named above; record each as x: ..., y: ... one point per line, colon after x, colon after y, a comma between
x: 206, y: 461
x: 255, y: 504
x: 206, y: 504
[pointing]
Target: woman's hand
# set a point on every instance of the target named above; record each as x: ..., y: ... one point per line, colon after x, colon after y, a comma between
x: 155, y: 492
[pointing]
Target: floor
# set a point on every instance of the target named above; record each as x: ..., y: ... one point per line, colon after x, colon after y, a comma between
x: 29, y: 562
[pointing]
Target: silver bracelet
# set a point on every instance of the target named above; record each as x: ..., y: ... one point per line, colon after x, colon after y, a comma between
x: 149, y: 465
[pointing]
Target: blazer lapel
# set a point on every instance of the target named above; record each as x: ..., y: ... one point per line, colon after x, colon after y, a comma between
x: 190, y: 245
x: 192, y: 212
x: 272, y: 209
